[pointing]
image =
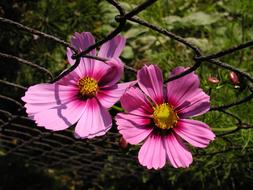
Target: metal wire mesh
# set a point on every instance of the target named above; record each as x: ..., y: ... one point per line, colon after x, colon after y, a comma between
x: 61, y: 150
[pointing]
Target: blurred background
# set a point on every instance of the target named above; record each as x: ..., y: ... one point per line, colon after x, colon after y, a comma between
x: 105, y: 163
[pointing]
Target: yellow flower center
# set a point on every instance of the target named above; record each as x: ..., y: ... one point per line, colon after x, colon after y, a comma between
x: 164, y: 116
x: 88, y: 87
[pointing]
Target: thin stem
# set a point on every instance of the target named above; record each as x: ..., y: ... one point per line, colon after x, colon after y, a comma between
x: 34, y: 31
x: 223, y: 129
x: 117, y: 6
x: 225, y: 52
x: 12, y: 84
x: 139, y: 8
x: 118, y: 108
x: 166, y: 33
x: 99, y: 43
x: 227, y: 66
x: 27, y: 63
x: 67, y: 71
x: 226, y: 106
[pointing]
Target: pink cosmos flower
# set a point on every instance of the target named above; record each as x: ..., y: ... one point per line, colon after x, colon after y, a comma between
x: 84, y: 95
x: 159, y: 115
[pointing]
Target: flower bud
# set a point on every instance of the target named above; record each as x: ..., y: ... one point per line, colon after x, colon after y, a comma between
x: 234, y: 78
x: 123, y: 143
x: 213, y: 80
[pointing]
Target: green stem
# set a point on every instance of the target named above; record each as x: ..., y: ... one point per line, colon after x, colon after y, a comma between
x: 118, y: 108
x: 224, y: 129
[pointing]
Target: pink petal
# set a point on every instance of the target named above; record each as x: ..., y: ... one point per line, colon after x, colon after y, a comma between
x: 179, y: 90
x: 69, y: 55
x: 99, y: 70
x: 41, y: 97
x: 185, y: 95
x: 176, y: 152
x: 197, y: 103
x: 92, y: 68
x: 60, y: 117
x: 113, y: 47
x: 152, y: 153
x: 134, y: 99
x: 82, y: 41
x: 133, y: 127
x: 197, y: 133
x: 150, y: 80
x: 85, y: 66
x: 114, y: 73
x: 110, y: 72
x: 109, y: 96
x: 70, y: 79
x: 95, y: 120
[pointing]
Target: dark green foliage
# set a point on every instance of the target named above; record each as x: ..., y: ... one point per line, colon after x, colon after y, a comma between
x: 15, y: 174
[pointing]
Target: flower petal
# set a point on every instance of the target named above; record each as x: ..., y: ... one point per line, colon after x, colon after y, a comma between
x: 92, y: 68
x: 179, y: 90
x: 114, y: 73
x: 110, y: 72
x: 176, y: 152
x: 82, y: 41
x: 134, y: 99
x: 41, y: 97
x: 133, y: 127
x: 113, y: 47
x: 69, y: 56
x: 60, y: 117
x: 150, y: 80
x: 152, y: 153
x: 196, y: 104
x: 85, y: 66
x: 196, y: 133
x: 109, y: 96
x: 95, y: 120
x: 70, y: 79
x: 98, y: 70
x: 185, y: 95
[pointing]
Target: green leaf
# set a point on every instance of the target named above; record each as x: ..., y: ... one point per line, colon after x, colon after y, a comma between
x: 200, y: 18
x: 202, y: 43
x: 134, y: 32
x: 194, y: 19
x: 128, y: 53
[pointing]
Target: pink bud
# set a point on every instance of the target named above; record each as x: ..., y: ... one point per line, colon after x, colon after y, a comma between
x: 234, y: 78
x: 213, y: 80
x: 123, y: 143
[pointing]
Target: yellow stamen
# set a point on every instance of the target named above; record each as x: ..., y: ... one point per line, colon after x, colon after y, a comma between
x: 164, y: 116
x: 88, y: 87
